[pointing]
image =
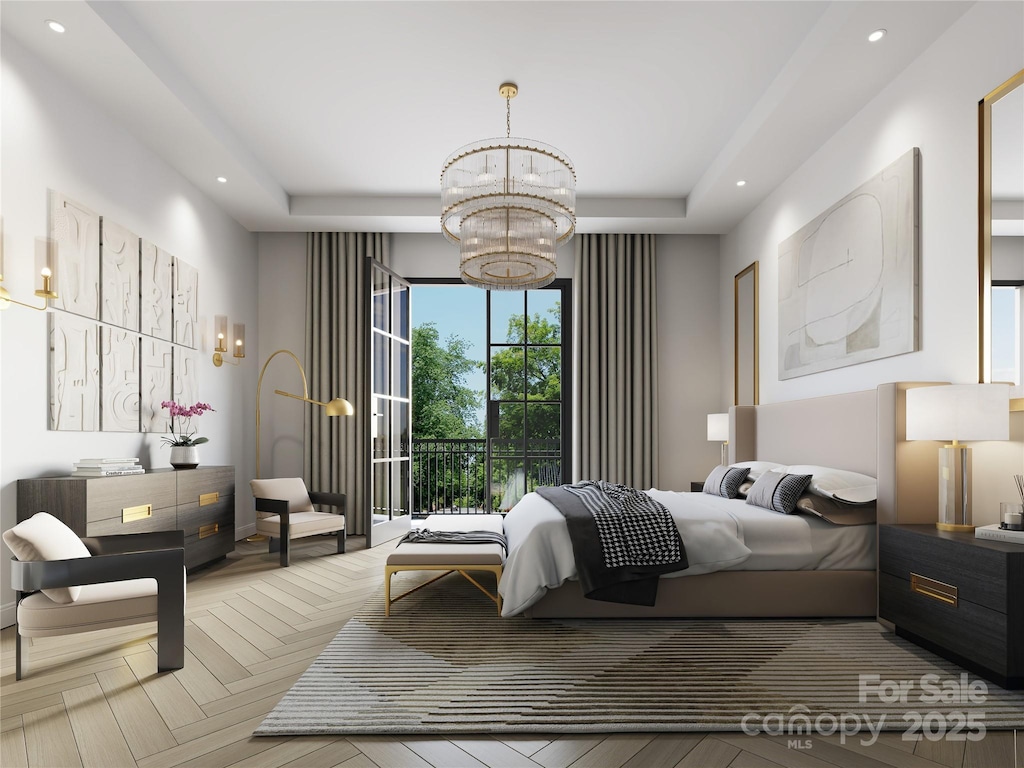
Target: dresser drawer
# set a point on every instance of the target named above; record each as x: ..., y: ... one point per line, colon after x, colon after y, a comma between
x: 205, y: 486
x: 141, y: 519
x: 979, y: 574
x: 192, y: 517
x: 209, y: 545
x: 967, y: 629
x: 108, y: 497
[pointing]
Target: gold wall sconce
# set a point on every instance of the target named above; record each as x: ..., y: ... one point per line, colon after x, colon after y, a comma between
x: 45, y: 291
x: 220, y: 326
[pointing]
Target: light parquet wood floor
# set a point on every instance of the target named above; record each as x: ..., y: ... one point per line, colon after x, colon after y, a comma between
x: 252, y: 628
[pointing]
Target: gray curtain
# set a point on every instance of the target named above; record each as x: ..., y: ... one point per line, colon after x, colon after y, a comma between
x: 616, y: 429
x: 337, y: 449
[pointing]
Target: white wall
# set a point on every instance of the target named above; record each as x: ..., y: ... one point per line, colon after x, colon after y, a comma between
x: 931, y: 105
x: 54, y: 138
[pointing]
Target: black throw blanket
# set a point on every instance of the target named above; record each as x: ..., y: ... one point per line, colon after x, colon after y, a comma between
x: 622, y: 540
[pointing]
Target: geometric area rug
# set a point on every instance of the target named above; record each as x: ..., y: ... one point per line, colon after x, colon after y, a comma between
x: 444, y: 662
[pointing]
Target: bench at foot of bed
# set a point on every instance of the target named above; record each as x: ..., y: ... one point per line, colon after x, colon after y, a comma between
x: 464, y: 558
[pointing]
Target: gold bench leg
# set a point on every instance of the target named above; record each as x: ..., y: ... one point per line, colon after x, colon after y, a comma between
x: 390, y: 570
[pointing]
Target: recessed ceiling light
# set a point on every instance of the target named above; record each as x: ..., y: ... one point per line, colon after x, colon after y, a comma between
x: 741, y: 183
x: 56, y: 26
x: 877, y: 35
x: 222, y: 179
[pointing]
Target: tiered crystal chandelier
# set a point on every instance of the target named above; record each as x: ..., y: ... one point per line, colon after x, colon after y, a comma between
x: 508, y: 203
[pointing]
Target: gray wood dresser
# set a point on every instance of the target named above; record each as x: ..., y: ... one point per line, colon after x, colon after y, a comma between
x: 200, y: 502
x: 956, y: 595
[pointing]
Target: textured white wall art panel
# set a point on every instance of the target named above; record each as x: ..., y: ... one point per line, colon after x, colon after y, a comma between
x: 848, y: 280
x: 156, y: 291
x: 74, y: 373
x: 186, y: 303
x: 75, y: 256
x: 119, y: 276
x: 121, y: 380
x: 186, y: 380
x: 156, y: 385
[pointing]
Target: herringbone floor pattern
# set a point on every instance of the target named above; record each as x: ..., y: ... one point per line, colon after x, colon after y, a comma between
x: 96, y: 700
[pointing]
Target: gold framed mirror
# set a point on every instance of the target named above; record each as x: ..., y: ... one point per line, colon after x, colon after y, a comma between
x: 746, y: 337
x: 1001, y: 237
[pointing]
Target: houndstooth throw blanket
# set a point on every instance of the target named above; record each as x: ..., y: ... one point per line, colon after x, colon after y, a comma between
x: 622, y: 540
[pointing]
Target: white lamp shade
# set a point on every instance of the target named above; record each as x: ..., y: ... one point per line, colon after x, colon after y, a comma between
x: 718, y: 426
x: 959, y: 412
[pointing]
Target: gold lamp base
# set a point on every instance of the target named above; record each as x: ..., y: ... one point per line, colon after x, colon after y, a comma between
x: 257, y: 537
x: 954, y: 527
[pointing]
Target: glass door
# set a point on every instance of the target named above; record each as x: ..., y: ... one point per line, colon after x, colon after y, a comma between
x: 528, y: 418
x: 390, y: 352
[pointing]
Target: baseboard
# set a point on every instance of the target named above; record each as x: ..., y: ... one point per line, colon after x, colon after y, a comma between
x: 244, y: 531
x: 8, y: 614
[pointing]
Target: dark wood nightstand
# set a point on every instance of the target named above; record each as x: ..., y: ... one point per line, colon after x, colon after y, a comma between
x: 956, y: 595
x: 697, y: 486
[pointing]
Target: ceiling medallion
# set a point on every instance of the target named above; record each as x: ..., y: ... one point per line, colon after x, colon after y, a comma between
x: 508, y: 203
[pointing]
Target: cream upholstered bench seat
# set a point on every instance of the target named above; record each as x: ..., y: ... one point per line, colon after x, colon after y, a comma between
x: 449, y: 557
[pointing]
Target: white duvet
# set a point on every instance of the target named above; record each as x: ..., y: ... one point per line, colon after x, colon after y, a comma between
x: 540, y: 553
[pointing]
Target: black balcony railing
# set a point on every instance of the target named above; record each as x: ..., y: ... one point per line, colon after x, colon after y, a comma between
x: 450, y: 476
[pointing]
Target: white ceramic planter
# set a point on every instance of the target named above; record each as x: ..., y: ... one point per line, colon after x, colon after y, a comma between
x: 184, y: 456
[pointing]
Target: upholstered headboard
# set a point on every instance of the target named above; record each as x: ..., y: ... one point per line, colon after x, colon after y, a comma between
x: 833, y: 431
x: 861, y: 431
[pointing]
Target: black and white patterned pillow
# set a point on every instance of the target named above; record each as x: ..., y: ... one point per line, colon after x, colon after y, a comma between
x: 777, y: 491
x: 725, y: 481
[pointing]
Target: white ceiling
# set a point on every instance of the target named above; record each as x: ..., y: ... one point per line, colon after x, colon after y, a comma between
x: 338, y: 115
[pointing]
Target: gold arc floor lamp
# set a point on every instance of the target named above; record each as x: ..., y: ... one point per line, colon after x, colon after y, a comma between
x: 336, y: 407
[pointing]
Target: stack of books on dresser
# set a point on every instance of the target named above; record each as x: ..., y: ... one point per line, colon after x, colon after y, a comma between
x: 107, y: 467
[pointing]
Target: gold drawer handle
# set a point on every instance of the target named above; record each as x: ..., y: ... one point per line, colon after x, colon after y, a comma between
x: 937, y: 590
x: 141, y: 512
x: 208, y: 530
x: 208, y: 498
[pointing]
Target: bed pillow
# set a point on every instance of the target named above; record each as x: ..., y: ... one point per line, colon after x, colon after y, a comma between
x: 777, y: 491
x: 757, y: 468
x: 836, y: 512
x: 725, y: 481
x: 44, y: 537
x: 842, y: 484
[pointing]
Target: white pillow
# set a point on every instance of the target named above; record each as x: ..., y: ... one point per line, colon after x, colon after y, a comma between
x: 44, y: 537
x: 842, y: 484
x: 757, y: 468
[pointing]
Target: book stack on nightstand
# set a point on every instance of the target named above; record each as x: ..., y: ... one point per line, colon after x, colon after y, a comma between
x: 957, y: 595
x: 999, y: 533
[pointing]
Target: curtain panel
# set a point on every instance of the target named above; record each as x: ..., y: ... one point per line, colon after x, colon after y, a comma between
x: 337, y: 449
x: 616, y: 428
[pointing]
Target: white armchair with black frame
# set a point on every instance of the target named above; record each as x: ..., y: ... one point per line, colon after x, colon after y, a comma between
x: 292, y: 513
x: 66, y: 584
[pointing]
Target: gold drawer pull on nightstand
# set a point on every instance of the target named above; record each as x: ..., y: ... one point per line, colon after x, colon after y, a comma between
x: 130, y: 514
x: 208, y: 498
x: 937, y: 590
x: 208, y: 530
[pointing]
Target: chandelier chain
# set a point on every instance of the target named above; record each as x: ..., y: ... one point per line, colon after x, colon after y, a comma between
x: 508, y: 117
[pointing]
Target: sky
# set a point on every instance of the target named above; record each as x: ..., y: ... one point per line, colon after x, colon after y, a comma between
x: 456, y: 310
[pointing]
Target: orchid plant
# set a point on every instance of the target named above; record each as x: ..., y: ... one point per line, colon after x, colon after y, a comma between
x: 185, y: 436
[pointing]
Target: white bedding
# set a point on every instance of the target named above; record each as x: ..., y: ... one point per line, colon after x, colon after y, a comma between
x: 719, y: 534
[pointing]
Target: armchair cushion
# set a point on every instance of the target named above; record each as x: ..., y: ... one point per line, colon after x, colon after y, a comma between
x: 44, y: 537
x: 290, y: 489
x: 301, y: 524
x: 99, y: 606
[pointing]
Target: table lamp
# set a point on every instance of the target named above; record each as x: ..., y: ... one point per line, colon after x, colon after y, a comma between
x: 718, y: 429
x: 957, y: 412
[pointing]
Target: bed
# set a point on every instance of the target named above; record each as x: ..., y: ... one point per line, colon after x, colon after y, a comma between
x: 860, y: 432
